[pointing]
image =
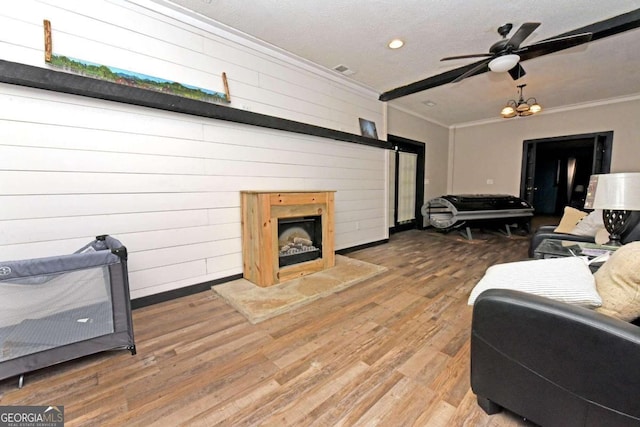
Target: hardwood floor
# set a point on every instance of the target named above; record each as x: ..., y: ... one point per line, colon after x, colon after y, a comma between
x: 392, y: 351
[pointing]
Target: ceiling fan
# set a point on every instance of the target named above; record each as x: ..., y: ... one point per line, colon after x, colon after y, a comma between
x: 506, y: 54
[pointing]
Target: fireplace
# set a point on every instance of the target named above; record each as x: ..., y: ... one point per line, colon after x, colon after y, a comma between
x: 299, y: 239
x: 286, y: 235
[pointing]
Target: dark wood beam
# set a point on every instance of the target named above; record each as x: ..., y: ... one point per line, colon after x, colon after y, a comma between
x: 609, y: 27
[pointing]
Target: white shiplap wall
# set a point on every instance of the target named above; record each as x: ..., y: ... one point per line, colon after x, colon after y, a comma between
x: 168, y: 184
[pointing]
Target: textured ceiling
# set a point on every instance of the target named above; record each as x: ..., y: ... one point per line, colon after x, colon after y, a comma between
x: 355, y: 33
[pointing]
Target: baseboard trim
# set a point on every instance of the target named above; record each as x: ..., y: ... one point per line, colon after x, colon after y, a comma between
x: 181, y: 292
x: 363, y: 246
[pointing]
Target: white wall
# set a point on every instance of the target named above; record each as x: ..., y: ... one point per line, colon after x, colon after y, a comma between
x: 493, y: 151
x: 436, y: 141
x: 166, y: 184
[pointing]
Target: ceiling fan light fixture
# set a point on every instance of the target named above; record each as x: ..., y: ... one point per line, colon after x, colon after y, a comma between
x: 503, y: 63
x: 520, y: 107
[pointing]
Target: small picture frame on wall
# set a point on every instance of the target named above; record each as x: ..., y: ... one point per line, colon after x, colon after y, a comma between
x: 368, y: 128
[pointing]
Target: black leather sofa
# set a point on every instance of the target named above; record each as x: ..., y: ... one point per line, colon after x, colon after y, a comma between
x: 553, y: 363
x: 546, y: 232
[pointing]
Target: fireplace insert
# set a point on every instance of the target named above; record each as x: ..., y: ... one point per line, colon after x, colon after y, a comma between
x: 299, y: 240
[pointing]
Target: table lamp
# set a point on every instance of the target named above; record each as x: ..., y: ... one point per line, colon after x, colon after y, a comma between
x: 617, y: 194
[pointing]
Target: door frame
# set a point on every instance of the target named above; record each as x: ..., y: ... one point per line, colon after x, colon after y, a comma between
x: 602, y: 153
x: 418, y: 148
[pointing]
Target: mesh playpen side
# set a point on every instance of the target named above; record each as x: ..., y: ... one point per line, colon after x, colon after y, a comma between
x: 60, y: 308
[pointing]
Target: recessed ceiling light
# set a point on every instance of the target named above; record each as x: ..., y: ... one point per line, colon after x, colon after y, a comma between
x: 429, y: 103
x: 395, y: 44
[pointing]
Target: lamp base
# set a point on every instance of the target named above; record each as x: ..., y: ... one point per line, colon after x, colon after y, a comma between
x: 614, y: 240
x: 615, y: 222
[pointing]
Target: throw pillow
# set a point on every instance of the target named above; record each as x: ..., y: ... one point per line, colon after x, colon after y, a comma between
x: 563, y: 279
x: 602, y: 236
x: 589, y: 225
x: 618, y: 283
x: 569, y: 220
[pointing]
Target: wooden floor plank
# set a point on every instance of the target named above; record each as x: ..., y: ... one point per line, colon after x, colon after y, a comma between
x: 391, y: 350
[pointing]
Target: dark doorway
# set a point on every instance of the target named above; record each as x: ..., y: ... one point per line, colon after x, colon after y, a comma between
x: 556, y: 171
x: 408, y: 188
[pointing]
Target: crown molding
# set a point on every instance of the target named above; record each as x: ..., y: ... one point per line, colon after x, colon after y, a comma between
x: 555, y: 110
x: 226, y: 32
x: 418, y: 115
x: 599, y: 103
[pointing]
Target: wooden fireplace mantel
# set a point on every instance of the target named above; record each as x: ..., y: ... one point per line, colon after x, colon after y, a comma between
x: 260, y: 213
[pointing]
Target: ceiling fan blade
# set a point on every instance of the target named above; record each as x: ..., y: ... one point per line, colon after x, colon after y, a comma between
x: 523, y: 32
x: 548, y: 46
x: 473, y: 55
x: 517, y: 72
x: 475, y: 70
x: 430, y: 82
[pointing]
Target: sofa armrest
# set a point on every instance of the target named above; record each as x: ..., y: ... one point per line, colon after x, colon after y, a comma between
x: 551, y: 361
x: 546, y: 229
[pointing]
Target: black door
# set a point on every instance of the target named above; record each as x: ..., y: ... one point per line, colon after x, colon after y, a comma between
x: 556, y: 171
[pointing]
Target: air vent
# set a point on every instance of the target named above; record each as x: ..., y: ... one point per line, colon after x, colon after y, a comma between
x: 344, y: 70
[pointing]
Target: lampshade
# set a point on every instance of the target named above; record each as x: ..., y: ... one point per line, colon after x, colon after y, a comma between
x: 535, y: 108
x: 522, y: 107
x: 503, y: 63
x: 508, y: 112
x: 614, y: 191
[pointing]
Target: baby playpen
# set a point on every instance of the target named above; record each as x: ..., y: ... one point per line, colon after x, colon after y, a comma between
x: 59, y: 308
